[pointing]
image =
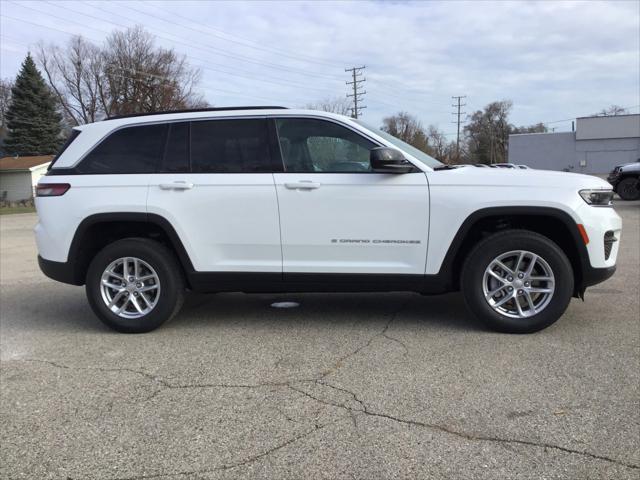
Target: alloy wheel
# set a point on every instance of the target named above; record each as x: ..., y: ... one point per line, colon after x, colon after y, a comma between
x: 518, y: 284
x: 130, y: 287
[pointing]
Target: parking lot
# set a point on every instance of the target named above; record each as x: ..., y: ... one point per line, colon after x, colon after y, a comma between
x: 360, y: 386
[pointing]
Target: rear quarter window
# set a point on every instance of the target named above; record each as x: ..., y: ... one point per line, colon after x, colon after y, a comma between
x: 128, y: 150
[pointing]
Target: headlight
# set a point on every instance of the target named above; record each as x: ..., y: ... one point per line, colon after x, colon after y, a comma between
x: 597, y: 198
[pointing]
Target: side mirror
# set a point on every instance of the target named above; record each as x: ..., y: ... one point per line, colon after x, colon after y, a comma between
x: 389, y: 160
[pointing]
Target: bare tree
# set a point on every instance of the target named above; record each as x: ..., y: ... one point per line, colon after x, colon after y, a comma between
x: 75, y: 75
x: 440, y: 147
x: 144, y: 78
x: 337, y: 105
x: 612, y: 111
x: 407, y: 128
x: 129, y: 74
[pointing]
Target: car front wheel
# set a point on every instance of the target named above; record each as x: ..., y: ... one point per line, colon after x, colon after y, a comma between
x: 629, y: 188
x: 517, y: 281
x: 135, y: 285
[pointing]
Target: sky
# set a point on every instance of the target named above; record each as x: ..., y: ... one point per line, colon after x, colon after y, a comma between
x: 556, y: 60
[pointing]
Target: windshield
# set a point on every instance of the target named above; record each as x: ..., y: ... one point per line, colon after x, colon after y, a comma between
x: 419, y: 154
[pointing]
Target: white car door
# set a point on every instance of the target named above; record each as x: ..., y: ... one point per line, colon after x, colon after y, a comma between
x: 336, y: 215
x: 217, y: 190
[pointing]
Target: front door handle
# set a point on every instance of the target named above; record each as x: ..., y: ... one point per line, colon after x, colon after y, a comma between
x: 302, y: 185
x: 176, y: 186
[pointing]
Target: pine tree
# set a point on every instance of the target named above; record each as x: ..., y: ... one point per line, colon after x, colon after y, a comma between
x: 32, y: 119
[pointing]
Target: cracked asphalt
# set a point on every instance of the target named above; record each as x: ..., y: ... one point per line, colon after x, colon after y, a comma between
x: 361, y: 386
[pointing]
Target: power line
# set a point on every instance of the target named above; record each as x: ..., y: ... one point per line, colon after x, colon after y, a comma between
x: 459, y: 105
x: 223, y: 52
x: 236, y: 73
x: 248, y: 43
x: 357, y: 94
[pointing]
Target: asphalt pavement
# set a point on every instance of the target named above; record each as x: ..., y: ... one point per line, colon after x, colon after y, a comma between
x: 345, y: 386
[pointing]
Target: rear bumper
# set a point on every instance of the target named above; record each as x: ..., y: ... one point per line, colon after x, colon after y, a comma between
x: 59, y: 271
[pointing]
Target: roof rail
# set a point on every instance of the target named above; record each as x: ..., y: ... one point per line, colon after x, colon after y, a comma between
x: 190, y: 110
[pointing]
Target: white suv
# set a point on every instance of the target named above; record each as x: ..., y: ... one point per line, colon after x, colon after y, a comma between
x: 266, y: 199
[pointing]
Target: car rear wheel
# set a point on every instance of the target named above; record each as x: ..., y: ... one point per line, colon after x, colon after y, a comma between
x: 517, y: 281
x: 135, y: 285
x: 629, y: 188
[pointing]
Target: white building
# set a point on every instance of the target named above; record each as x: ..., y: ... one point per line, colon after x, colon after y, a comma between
x: 597, y: 145
x: 19, y: 176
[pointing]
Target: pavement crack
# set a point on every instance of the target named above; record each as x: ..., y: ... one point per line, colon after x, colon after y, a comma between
x: 365, y: 410
x: 381, y: 333
x: 240, y: 463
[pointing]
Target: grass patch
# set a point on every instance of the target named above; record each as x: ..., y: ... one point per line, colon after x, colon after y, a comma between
x: 11, y: 210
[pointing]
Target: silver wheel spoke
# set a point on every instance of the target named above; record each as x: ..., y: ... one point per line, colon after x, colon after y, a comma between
x: 134, y: 301
x: 146, y: 300
x: 504, y: 267
x: 148, y: 288
x: 123, y: 306
x: 503, y: 301
x: 115, y: 299
x: 496, y: 276
x: 106, y: 283
x: 519, y: 307
x: 539, y: 290
x: 146, y: 277
x: 115, y: 275
x: 519, y: 262
x: 532, y: 264
x: 532, y: 307
x: 491, y: 294
x: 136, y: 267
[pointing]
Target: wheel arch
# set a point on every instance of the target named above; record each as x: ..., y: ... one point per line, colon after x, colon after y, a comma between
x: 98, y: 230
x: 553, y: 223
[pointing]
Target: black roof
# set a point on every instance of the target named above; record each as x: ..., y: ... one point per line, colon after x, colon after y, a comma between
x: 190, y: 110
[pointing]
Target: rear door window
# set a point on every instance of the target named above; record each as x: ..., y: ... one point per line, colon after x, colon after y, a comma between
x: 230, y: 146
x: 128, y: 150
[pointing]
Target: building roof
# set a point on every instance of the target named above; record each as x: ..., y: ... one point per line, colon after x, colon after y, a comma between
x: 24, y: 163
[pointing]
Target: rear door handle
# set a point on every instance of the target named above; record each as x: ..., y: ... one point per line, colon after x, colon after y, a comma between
x: 302, y: 185
x: 176, y: 186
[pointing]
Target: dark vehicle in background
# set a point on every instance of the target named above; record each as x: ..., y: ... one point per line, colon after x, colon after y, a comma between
x: 625, y: 180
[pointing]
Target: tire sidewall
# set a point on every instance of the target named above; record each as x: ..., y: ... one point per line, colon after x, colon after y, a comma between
x: 628, y: 181
x: 494, y: 246
x: 158, y: 257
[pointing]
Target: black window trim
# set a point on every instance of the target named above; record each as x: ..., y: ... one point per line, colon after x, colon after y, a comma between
x: 331, y: 120
x: 72, y: 170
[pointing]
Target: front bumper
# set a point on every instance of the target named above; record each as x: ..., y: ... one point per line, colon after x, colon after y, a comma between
x: 593, y: 276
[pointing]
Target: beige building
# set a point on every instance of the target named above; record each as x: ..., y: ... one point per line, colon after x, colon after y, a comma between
x: 19, y: 176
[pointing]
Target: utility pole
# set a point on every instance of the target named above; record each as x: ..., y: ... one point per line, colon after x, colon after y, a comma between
x: 459, y: 105
x: 356, y: 73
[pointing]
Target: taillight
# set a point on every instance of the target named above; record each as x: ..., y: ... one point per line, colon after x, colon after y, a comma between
x: 51, y: 189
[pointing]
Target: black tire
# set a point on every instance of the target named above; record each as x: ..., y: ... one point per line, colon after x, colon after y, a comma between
x: 167, y: 268
x: 511, y: 240
x: 629, y: 188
